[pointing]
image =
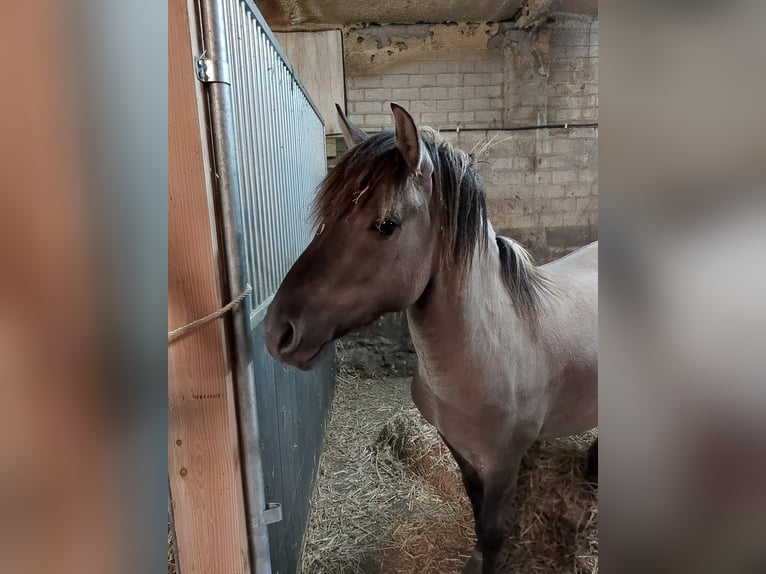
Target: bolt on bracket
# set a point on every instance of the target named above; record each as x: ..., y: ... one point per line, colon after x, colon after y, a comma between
x: 212, y: 71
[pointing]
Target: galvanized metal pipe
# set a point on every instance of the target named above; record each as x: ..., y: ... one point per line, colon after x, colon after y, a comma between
x: 213, y: 16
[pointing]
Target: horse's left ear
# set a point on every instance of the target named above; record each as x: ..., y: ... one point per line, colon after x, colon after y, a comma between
x: 407, y: 138
x: 352, y: 134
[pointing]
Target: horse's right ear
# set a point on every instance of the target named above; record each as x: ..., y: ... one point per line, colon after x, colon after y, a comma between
x: 407, y: 137
x: 351, y: 133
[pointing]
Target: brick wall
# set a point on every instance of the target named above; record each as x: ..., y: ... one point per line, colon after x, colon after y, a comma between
x: 473, y: 82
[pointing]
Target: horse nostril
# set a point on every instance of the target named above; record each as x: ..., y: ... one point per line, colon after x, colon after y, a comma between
x: 289, y: 340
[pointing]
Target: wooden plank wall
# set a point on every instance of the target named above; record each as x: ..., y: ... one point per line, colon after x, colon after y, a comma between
x: 203, y: 455
x: 317, y: 58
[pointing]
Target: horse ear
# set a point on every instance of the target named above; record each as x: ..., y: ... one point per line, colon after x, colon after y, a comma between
x: 351, y: 134
x: 407, y: 138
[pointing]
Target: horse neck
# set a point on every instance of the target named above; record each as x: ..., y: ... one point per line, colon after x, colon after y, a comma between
x: 450, y: 325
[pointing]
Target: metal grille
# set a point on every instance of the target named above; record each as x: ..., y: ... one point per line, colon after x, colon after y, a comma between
x: 281, y: 151
x: 269, y: 149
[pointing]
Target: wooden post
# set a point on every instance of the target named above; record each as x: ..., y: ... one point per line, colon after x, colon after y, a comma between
x: 203, y: 453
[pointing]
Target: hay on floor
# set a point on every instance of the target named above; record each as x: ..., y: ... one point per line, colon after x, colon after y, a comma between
x: 389, y: 497
x: 171, y: 555
x: 418, y: 445
x: 556, y: 526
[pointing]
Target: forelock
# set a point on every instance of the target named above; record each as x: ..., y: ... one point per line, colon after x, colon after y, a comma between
x: 373, y: 171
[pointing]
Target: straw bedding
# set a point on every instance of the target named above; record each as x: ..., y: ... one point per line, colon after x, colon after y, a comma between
x: 389, y: 497
x: 171, y: 555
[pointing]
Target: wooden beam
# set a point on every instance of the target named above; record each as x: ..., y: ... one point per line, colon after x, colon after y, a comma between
x: 203, y: 454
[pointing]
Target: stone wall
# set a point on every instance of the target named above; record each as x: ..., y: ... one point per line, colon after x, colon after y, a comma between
x: 476, y: 83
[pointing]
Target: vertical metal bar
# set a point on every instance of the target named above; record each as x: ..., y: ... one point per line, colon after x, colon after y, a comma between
x: 255, y: 137
x: 296, y: 191
x: 224, y: 147
x: 285, y: 193
x: 298, y: 224
x: 246, y: 137
x: 269, y: 88
x: 278, y: 189
x: 262, y: 160
x: 295, y: 162
x: 306, y: 185
x: 291, y: 166
x: 303, y: 214
x: 276, y: 184
x: 268, y: 161
x: 307, y: 170
x: 246, y: 112
x: 258, y: 70
x: 305, y: 182
x: 237, y: 45
x: 251, y: 55
x: 311, y: 172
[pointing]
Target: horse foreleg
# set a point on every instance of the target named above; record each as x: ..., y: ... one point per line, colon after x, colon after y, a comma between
x: 474, y: 488
x: 496, y: 510
x: 591, y: 467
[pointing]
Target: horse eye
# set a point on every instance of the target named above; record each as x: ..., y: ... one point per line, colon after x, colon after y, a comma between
x: 385, y: 226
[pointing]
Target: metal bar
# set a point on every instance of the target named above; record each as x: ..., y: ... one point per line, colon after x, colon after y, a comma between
x: 278, y: 210
x: 237, y: 53
x: 253, y: 139
x: 249, y: 136
x: 522, y: 128
x: 284, y: 191
x: 295, y: 162
x: 225, y: 149
x: 270, y: 89
x: 265, y: 237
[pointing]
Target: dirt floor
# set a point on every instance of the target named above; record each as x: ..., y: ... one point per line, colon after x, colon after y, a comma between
x: 389, y: 497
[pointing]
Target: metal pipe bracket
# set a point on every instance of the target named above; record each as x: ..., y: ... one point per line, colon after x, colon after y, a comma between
x: 212, y: 71
x: 272, y: 513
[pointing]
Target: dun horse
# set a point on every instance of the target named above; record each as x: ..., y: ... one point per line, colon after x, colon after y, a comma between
x: 507, y: 351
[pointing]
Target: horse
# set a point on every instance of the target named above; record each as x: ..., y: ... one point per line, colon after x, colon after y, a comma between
x: 507, y: 350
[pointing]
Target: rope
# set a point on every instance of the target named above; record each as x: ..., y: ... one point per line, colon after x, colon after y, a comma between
x: 181, y: 331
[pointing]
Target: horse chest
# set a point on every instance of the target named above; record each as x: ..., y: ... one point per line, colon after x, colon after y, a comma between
x: 471, y: 421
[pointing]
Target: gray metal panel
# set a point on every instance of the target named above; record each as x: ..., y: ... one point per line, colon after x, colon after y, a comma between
x: 293, y: 408
x: 280, y: 149
x: 280, y: 144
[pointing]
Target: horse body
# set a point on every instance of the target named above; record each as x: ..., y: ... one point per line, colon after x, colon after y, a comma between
x: 486, y: 380
x: 506, y: 350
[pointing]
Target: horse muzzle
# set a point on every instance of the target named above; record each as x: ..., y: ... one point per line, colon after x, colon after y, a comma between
x: 291, y: 341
